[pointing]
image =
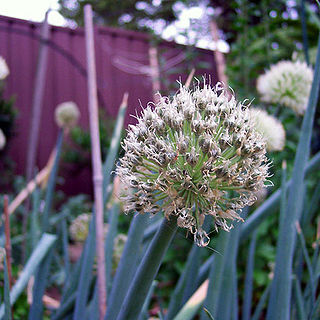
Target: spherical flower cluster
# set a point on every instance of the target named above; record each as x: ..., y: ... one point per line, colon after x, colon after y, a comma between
x: 4, y: 70
x: 120, y: 191
x: 2, y: 255
x: 194, y: 155
x: 270, y: 128
x: 119, y: 243
x: 288, y: 83
x: 79, y: 227
x: 260, y: 195
x: 2, y: 140
x: 67, y: 114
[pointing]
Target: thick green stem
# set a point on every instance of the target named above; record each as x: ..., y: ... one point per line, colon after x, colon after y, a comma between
x: 52, y: 183
x: 147, y: 270
x: 281, y: 287
x: 130, y: 257
x: 304, y: 31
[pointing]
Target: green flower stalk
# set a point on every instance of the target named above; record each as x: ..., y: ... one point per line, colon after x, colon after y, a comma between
x: 193, y: 155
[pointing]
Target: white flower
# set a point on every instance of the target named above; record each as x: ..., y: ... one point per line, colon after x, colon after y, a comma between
x: 79, y: 227
x: 2, y: 140
x: 196, y: 154
x: 119, y: 243
x: 288, y: 83
x: 2, y: 256
x: 270, y: 128
x: 67, y: 114
x: 4, y: 70
x: 260, y: 195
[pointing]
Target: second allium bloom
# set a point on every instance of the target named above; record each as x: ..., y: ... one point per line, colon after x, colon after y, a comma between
x: 288, y: 83
x: 67, y: 114
x: 270, y: 128
x: 196, y: 154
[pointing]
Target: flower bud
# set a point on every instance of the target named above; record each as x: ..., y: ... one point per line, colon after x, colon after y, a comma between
x: 67, y: 114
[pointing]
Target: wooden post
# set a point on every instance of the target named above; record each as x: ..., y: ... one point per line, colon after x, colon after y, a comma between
x: 190, y: 78
x: 96, y: 158
x: 219, y: 57
x: 155, y: 72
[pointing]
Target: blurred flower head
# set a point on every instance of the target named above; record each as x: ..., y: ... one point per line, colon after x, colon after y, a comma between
x: 2, y: 140
x: 270, y: 128
x: 193, y: 155
x: 119, y: 243
x: 260, y: 195
x: 288, y: 83
x: 120, y: 190
x: 79, y: 227
x: 2, y: 255
x: 4, y: 70
x: 67, y: 114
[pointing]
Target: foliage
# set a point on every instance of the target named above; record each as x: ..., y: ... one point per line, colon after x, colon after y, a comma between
x: 8, y: 115
x: 130, y: 14
x: 265, y: 34
x: 77, y: 149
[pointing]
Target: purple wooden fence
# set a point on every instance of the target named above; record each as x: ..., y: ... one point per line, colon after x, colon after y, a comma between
x: 122, y: 59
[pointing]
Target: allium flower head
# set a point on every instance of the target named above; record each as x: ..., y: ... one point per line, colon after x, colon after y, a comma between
x: 79, y: 227
x: 196, y: 154
x: 270, y: 128
x: 67, y: 114
x: 2, y: 255
x: 288, y: 83
x: 119, y: 243
x: 4, y: 70
x: 2, y: 140
x: 260, y: 195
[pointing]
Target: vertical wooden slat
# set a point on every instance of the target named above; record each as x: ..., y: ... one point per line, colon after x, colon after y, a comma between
x: 155, y: 72
x: 219, y: 57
